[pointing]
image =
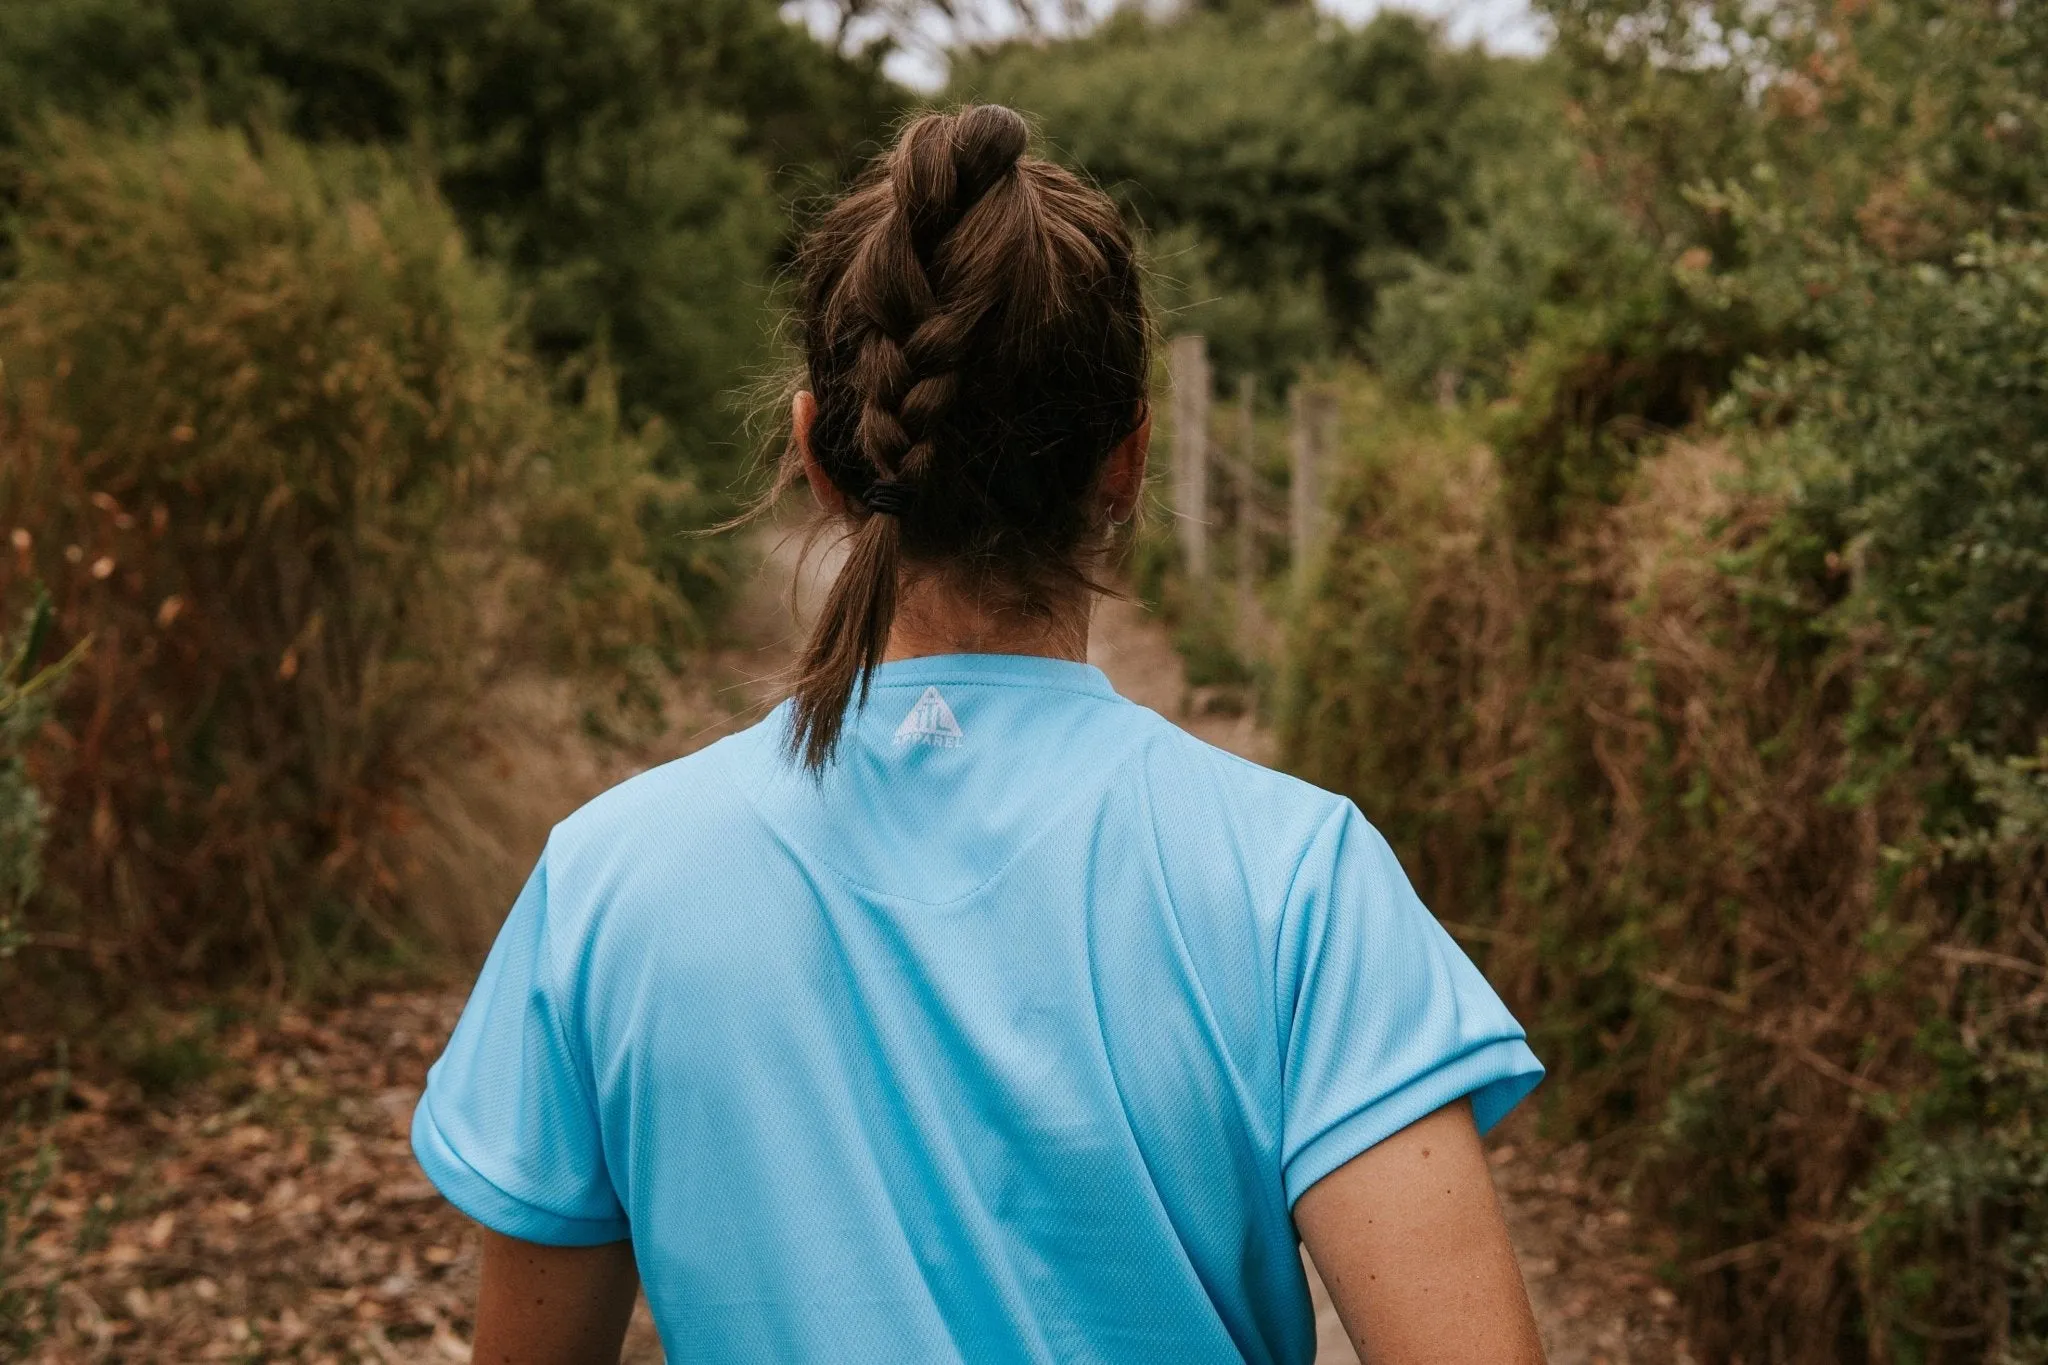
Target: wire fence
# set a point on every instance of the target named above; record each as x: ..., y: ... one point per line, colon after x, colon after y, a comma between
x: 1220, y: 486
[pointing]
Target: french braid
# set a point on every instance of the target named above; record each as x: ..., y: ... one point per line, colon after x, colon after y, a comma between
x: 976, y: 341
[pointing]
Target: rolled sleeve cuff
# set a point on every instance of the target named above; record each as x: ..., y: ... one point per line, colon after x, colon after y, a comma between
x: 474, y: 1193
x: 1496, y: 1077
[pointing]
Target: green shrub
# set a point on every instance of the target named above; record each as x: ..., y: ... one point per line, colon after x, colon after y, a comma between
x: 1587, y: 313
x: 1725, y: 745
x: 1916, y: 440
x: 1920, y: 433
x: 1604, y: 818
x: 1287, y: 162
x: 1538, y: 236
x: 1953, y: 1213
x: 1778, y: 932
x: 1417, y: 602
x: 267, y: 439
x: 623, y: 161
x: 28, y: 687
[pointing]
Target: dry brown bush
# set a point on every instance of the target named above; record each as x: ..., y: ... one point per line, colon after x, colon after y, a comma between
x: 1622, y: 772
x: 1407, y: 675
x: 267, y: 440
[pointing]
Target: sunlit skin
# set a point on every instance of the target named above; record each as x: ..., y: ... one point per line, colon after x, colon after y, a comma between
x: 1409, y: 1238
x: 1408, y: 1235
x: 553, y: 1305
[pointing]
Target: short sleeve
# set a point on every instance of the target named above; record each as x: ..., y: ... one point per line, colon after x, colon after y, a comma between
x: 1390, y: 1021
x: 508, y: 1126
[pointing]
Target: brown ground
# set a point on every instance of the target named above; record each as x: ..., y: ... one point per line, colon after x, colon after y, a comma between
x: 269, y: 1209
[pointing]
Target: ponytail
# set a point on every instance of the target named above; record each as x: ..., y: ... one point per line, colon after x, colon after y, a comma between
x: 850, y: 638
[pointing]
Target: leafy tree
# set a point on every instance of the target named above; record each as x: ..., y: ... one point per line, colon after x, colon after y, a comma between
x: 624, y: 157
x: 265, y: 436
x: 1817, y: 616
x: 1299, y: 160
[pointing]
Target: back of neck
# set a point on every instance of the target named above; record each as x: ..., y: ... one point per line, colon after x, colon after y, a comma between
x: 934, y: 618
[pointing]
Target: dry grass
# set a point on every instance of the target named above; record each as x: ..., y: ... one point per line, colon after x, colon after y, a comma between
x: 1621, y: 769
x: 265, y: 438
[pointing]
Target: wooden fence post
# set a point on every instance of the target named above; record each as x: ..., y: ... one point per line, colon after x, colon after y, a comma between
x: 1187, y: 367
x: 1315, y: 437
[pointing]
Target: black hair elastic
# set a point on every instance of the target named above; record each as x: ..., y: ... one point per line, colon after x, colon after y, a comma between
x: 889, y: 497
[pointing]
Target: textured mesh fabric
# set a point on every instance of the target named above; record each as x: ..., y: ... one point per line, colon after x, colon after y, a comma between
x: 1013, y: 1038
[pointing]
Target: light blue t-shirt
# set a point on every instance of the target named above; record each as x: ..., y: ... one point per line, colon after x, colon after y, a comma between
x: 1012, y: 1039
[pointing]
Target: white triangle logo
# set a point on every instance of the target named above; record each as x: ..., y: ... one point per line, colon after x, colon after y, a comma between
x: 930, y: 722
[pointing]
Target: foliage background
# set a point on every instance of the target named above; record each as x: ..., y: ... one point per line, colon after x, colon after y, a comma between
x: 1685, y: 623
x: 1283, y: 164
x: 264, y: 433
x: 626, y: 162
x: 353, y: 360
x: 1692, y: 658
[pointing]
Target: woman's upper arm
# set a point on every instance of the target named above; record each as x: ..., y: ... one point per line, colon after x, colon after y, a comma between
x: 550, y: 1305
x: 1409, y: 1238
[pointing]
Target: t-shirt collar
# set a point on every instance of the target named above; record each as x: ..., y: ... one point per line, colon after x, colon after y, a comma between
x: 1013, y: 670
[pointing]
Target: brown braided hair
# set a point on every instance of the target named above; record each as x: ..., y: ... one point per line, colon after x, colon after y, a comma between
x: 975, y: 337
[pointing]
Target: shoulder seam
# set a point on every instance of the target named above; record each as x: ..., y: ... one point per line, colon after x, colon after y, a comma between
x: 545, y: 974
x: 1342, y: 812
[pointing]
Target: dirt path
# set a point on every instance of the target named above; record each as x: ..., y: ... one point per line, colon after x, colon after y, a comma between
x: 243, y: 1189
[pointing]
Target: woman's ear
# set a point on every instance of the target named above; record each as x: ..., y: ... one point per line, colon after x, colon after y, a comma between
x: 803, y: 415
x: 1123, y: 478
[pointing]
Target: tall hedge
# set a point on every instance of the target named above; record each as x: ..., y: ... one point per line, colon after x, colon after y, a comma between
x: 1779, y: 943
x: 627, y: 163
x: 1284, y: 163
x: 266, y: 436
x: 1697, y: 668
